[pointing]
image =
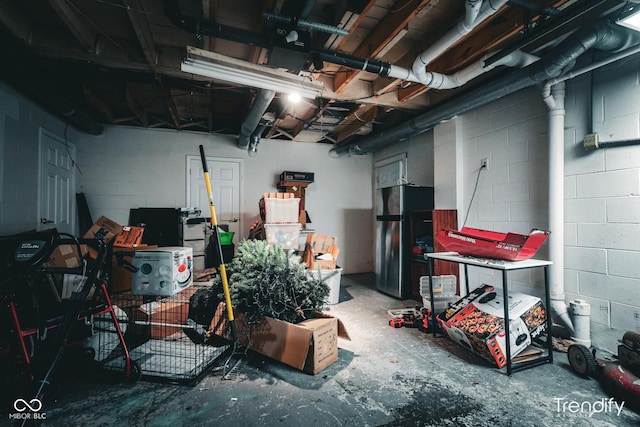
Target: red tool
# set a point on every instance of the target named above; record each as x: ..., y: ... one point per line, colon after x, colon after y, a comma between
x: 620, y: 378
x: 397, y: 322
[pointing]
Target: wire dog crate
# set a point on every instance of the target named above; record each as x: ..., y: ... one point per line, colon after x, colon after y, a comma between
x: 161, y: 337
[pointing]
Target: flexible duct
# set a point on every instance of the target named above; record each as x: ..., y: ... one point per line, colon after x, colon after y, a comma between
x: 600, y: 35
x: 205, y: 27
x: 258, y: 108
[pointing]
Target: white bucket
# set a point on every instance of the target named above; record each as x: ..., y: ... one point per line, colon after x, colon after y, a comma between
x: 332, y: 280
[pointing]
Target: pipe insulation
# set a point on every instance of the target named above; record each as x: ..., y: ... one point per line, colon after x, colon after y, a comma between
x: 599, y: 35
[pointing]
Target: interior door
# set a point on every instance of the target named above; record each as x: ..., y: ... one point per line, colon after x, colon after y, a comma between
x: 225, y: 175
x: 56, y: 207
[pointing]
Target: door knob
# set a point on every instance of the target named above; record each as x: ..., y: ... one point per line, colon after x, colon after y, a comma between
x: 45, y: 221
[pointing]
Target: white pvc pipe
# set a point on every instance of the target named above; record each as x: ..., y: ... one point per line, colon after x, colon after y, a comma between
x: 581, y: 313
x: 556, y: 205
x: 476, y: 11
x: 514, y: 59
x: 474, y: 15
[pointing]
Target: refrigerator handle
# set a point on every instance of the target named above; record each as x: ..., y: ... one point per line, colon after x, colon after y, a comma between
x: 389, y: 217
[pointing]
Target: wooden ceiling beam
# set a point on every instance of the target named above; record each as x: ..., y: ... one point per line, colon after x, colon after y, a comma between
x: 84, y: 33
x: 17, y: 22
x: 364, y: 115
x: 136, y: 106
x: 140, y: 23
x: 96, y: 101
x: 172, y: 109
x: 386, y: 31
x: 350, y: 21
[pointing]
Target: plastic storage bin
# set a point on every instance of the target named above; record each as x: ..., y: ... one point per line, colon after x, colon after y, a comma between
x: 444, y: 292
x: 280, y: 211
x: 445, y: 285
x: 332, y: 279
x: 285, y: 235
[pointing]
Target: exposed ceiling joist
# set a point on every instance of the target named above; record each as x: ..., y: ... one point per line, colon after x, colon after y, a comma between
x: 136, y: 106
x: 363, y: 116
x: 82, y: 30
x: 120, y: 62
x: 385, y: 32
x: 138, y: 17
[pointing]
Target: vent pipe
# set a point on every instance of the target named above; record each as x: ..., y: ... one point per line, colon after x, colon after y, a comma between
x: 556, y: 207
x: 258, y: 108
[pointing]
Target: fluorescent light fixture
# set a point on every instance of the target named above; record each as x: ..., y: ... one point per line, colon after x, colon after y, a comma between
x: 227, y: 69
x: 631, y: 20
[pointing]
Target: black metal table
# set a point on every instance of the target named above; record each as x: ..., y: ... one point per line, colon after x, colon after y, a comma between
x: 505, y: 267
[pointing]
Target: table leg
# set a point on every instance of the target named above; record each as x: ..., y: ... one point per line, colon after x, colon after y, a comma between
x: 505, y: 292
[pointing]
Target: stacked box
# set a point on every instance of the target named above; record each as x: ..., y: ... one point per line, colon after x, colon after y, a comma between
x: 297, y: 176
x: 281, y: 220
x: 280, y: 211
x: 284, y: 235
x: 321, y: 251
x: 67, y: 256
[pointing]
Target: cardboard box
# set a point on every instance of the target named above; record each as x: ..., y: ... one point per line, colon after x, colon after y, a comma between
x: 477, y: 323
x: 309, y: 346
x: 166, y: 316
x: 163, y: 271
x: 297, y: 176
x: 104, y: 229
x: 67, y: 256
x: 318, y: 244
x: 120, y: 276
x: 129, y: 237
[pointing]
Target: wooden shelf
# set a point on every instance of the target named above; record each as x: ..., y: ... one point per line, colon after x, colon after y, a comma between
x: 297, y: 188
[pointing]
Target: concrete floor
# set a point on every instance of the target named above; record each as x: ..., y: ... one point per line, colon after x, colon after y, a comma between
x: 384, y: 377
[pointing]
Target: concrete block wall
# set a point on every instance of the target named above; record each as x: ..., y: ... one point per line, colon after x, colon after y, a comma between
x: 602, y: 209
x: 511, y: 195
x: 419, y: 158
x: 602, y: 193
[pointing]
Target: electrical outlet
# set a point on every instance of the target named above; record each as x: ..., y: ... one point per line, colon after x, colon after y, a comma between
x: 484, y: 163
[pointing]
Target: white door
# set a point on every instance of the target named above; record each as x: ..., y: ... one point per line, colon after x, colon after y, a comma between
x: 225, y: 188
x: 56, y: 206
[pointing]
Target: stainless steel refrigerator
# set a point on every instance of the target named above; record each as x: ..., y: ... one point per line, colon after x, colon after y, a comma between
x: 393, y: 235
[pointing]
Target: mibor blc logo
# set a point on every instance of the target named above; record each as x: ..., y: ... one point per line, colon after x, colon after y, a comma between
x: 27, y: 410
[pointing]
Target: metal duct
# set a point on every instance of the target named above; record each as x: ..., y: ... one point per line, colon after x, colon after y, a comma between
x: 256, y: 135
x: 256, y: 112
x: 205, y: 27
x: 600, y: 35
